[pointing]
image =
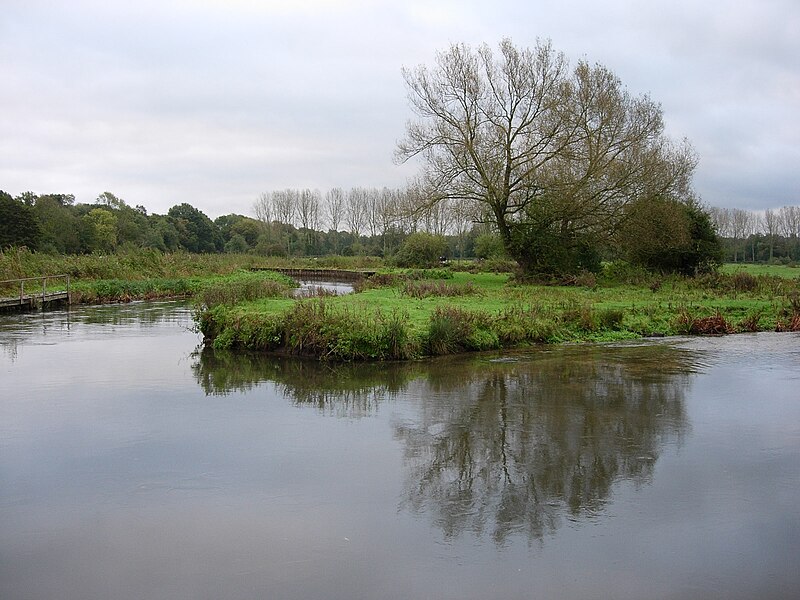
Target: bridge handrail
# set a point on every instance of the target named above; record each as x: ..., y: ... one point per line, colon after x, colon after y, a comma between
x: 21, y: 281
x: 65, y: 275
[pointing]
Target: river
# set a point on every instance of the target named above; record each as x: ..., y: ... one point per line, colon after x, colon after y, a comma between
x: 136, y: 464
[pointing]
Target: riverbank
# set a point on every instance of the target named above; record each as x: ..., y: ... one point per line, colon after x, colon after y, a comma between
x: 152, y: 275
x: 400, y: 315
x: 397, y: 317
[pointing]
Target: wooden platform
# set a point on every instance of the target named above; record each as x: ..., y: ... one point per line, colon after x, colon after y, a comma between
x: 35, y: 300
x: 28, y: 299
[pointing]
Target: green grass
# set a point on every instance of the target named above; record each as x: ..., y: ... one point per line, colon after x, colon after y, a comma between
x: 755, y: 269
x: 501, y: 314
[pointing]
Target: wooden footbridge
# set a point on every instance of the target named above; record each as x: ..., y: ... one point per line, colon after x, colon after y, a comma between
x: 34, y: 292
x: 320, y: 274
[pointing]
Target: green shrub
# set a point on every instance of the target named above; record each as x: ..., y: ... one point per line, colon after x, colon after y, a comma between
x: 669, y: 236
x: 428, y: 289
x: 489, y: 246
x: 262, y: 333
x: 610, y: 319
x: 491, y: 265
x: 482, y: 339
x: 320, y: 329
x: 581, y: 317
x: 307, y: 327
x: 418, y: 274
x: 544, y: 250
x: 394, y: 341
x: 242, y: 289
x: 448, y: 330
x: 519, y: 325
x: 210, y: 322
x: 421, y: 250
x: 622, y: 272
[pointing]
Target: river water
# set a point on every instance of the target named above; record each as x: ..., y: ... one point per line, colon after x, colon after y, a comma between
x: 135, y: 464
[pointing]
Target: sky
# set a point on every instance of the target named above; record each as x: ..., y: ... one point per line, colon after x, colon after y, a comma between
x: 213, y: 102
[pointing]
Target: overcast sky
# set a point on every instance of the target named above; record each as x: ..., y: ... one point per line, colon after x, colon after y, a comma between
x: 212, y: 102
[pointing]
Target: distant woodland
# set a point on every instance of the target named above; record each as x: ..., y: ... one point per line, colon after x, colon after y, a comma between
x: 358, y: 221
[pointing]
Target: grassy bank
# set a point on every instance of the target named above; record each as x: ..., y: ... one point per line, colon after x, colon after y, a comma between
x: 145, y: 264
x: 410, y: 314
x: 396, y: 317
x: 149, y: 274
x: 208, y: 290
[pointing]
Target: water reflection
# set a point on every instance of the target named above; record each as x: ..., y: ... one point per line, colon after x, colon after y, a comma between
x: 513, y: 448
x: 38, y: 327
x: 322, y: 286
x: 506, y: 446
x: 342, y: 389
x: 15, y: 329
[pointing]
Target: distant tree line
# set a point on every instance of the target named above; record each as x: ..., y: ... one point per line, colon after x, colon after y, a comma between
x: 378, y: 222
x: 55, y: 223
x: 772, y: 235
x: 287, y: 222
x: 359, y: 221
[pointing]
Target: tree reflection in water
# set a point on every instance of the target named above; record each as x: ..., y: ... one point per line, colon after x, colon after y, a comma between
x: 501, y: 447
x: 509, y: 448
x: 352, y: 390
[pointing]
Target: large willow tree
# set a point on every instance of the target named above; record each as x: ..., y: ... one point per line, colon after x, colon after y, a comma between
x: 552, y: 155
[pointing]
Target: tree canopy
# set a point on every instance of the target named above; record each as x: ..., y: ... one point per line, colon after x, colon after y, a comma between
x: 197, y: 233
x: 548, y: 152
x: 18, y: 223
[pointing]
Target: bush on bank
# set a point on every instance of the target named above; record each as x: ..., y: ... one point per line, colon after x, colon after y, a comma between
x: 314, y: 328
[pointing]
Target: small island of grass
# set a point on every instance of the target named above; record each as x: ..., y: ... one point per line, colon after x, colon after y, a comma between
x: 402, y: 314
